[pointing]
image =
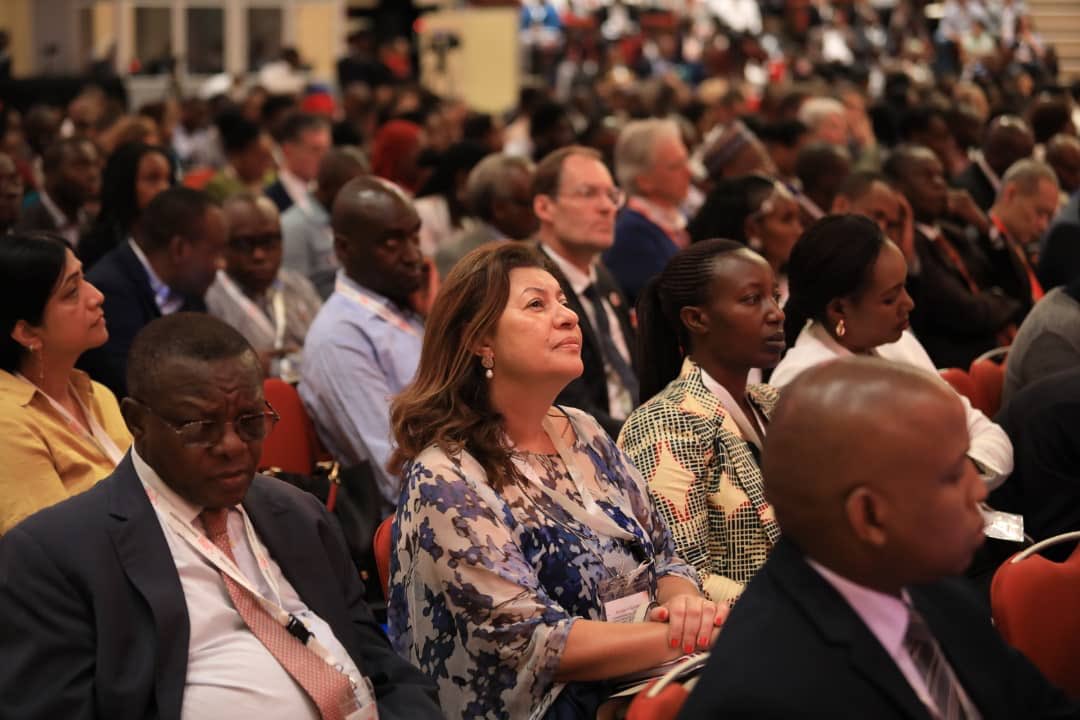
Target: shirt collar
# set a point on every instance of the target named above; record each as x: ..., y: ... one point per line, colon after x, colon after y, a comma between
x: 57, y: 214
x: 578, y: 280
x: 668, y: 218
x: 979, y: 159
x: 24, y: 391
x: 885, y: 615
x: 296, y: 188
x: 162, y: 292
x: 186, y: 510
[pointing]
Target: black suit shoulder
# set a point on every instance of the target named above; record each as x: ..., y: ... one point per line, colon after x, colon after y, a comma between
x: 978, y: 185
x: 276, y: 191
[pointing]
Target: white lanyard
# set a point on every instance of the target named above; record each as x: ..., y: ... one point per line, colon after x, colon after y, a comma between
x: 374, y: 306
x: 216, y: 557
x: 255, y: 313
x: 97, y: 435
x: 591, y: 515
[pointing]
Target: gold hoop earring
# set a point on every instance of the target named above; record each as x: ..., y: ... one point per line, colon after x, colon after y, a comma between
x: 840, y: 329
x: 488, y: 363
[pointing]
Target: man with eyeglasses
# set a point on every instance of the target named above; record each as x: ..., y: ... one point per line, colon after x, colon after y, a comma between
x: 271, y: 306
x: 184, y: 585
x: 364, y: 345
x: 575, y: 200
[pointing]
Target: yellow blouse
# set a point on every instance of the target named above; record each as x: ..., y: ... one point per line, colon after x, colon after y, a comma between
x: 42, y: 460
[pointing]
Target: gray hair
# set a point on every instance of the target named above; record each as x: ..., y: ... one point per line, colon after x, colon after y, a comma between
x: 635, y: 146
x: 814, y: 110
x: 1025, y: 175
x: 489, y: 181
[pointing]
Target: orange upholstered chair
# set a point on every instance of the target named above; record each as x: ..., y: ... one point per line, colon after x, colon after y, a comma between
x: 961, y: 382
x: 989, y: 380
x: 1036, y: 607
x: 292, y: 445
x: 381, y: 545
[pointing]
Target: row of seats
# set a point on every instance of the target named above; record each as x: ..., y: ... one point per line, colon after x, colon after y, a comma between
x: 983, y: 382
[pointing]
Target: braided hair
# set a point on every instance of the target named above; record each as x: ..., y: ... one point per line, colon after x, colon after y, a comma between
x: 663, y: 340
x: 728, y: 205
x: 834, y: 258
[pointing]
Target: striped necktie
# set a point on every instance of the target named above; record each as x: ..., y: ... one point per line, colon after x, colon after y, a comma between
x: 945, y: 689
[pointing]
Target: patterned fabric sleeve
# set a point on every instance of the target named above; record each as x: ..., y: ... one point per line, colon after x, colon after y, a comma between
x: 465, y: 605
x: 677, y: 465
x: 651, y: 516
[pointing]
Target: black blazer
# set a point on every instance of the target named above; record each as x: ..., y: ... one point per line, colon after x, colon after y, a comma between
x: 276, y: 191
x: 95, y: 621
x: 36, y: 217
x: 974, y: 180
x: 590, y: 392
x: 1059, y: 261
x: 129, y: 306
x: 953, y: 324
x: 793, y: 648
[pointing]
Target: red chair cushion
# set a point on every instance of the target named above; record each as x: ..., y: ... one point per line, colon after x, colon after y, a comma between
x: 381, y: 546
x: 291, y: 446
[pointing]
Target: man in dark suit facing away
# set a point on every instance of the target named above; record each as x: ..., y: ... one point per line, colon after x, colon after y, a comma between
x: 166, y: 268
x: 854, y: 614
x: 184, y: 585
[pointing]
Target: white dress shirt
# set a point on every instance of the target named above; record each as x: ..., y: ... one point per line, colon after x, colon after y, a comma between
x: 165, y: 298
x: 620, y: 402
x: 298, y: 190
x: 990, y: 446
x: 230, y: 673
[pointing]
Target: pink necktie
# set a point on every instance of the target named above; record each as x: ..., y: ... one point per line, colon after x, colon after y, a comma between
x: 327, y: 687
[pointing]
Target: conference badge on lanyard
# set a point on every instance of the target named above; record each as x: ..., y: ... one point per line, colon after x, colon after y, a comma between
x: 625, y: 597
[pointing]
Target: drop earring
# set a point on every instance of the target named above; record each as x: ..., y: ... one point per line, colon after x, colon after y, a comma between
x: 755, y: 244
x: 840, y: 329
x: 488, y: 362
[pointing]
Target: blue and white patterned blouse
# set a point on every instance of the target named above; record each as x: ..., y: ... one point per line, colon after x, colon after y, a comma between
x: 485, y: 584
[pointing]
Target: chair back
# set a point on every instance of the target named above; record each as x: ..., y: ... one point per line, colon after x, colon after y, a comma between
x: 382, y: 547
x: 1034, y: 603
x: 291, y: 446
x: 961, y: 382
x: 989, y: 380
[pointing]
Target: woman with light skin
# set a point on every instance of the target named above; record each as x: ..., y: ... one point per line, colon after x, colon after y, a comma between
x: 848, y: 297
x: 704, y: 323
x: 523, y: 532
x: 60, y: 432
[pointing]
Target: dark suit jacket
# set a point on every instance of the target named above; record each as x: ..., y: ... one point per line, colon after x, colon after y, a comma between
x: 1059, y: 261
x: 953, y: 324
x: 129, y: 306
x: 276, y: 191
x: 36, y: 216
x: 1042, y: 421
x: 641, y: 250
x: 978, y: 185
x: 95, y: 621
x: 589, y: 392
x: 793, y: 648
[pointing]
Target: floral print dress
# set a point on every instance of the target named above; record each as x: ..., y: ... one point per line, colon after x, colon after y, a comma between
x: 486, y: 584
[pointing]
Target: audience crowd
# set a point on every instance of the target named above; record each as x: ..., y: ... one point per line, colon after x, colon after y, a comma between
x: 661, y: 346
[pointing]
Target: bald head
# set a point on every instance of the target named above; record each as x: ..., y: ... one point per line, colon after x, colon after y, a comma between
x: 1007, y: 140
x: 865, y: 466
x: 377, y: 237
x: 1063, y: 154
x: 339, y: 166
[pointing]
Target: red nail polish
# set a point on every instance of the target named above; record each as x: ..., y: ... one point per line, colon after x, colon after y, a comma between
x: 688, y: 648
x: 674, y: 643
x: 703, y: 641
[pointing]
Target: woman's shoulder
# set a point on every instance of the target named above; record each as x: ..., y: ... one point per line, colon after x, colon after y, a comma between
x: 807, y: 352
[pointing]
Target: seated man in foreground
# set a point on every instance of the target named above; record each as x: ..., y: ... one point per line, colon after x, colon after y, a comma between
x: 185, y: 586
x: 852, y: 615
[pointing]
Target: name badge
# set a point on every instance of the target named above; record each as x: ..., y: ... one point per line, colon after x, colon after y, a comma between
x: 1002, y: 525
x: 623, y: 596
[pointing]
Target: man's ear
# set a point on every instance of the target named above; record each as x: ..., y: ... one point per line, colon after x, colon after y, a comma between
x: 867, y: 513
x: 178, y: 248
x: 543, y: 207
x: 134, y: 417
x: 840, y: 205
x: 695, y: 319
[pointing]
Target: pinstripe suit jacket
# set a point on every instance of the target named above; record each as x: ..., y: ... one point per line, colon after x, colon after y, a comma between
x: 705, y: 480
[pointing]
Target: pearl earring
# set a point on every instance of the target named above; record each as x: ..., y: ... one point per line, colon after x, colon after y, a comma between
x: 488, y: 362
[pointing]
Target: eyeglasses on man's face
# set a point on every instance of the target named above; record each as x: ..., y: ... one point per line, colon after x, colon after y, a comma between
x: 592, y: 193
x: 208, y: 433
